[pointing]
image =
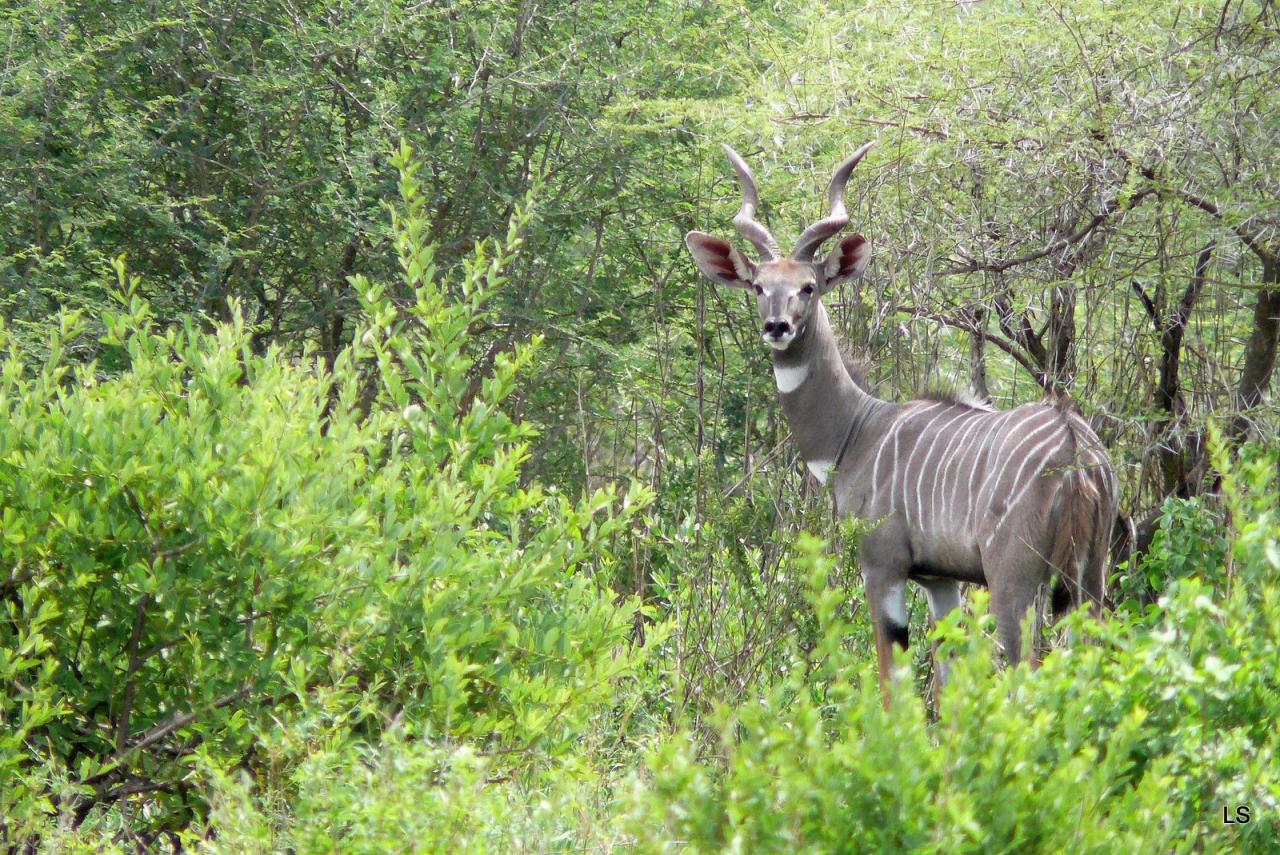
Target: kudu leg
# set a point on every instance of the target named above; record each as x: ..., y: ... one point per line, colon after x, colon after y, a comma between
x: 885, y: 563
x: 943, y: 596
x: 886, y: 637
x: 887, y: 597
x: 1016, y: 570
x: 1011, y: 601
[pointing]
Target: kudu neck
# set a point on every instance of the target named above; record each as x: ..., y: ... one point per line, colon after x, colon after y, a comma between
x: 819, y: 398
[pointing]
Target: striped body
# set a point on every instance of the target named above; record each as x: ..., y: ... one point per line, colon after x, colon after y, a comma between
x: 960, y: 493
x: 962, y: 479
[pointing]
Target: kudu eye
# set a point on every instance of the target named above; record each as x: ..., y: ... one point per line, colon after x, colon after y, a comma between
x: 759, y: 290
x: 808, y: 289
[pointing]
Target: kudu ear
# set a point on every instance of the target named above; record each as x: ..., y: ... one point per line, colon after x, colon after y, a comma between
x: 719, y: 261
x: 847, y: 261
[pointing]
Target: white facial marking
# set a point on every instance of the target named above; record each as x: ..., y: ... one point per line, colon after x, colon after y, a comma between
x: 821, y: 469
x: 790, y: 377
x: 779, y: 343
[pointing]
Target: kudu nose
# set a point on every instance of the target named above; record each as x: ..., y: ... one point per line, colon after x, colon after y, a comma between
x: 776, y: 328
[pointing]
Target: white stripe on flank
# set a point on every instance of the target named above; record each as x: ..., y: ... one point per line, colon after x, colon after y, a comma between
x: 789, y: 378
x: 972, y: 498
x: 820, y: 468
x: 951, y: 465
x: 1030, y: 481
x: 924, y: 467
x: 994, y: 477
x: 920, y: 437
x: 1039, y: 471
x: 967, y: 452
x: 987, y: 462
x: 1031, y: 456
x: 1080, y: 424
x: 891, y: 433
x: 894, y: 468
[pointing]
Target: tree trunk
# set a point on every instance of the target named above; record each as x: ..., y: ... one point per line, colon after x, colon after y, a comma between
x: 1177, y: 458
x: 978, y: 356
x: 1260, y: 349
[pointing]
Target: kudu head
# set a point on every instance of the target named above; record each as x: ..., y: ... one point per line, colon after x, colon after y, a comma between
x: 787, y: 289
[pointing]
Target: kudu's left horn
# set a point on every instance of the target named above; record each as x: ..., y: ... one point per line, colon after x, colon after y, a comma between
x: 838, y: 218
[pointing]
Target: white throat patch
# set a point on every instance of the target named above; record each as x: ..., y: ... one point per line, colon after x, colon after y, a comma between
x: 821, y: 469
x: 789, y: 378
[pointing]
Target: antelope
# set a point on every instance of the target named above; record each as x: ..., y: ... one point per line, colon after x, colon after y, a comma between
x: 956, y: 492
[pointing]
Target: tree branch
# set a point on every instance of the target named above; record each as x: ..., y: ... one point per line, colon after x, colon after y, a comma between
x: 1152, y: 311
x: 1109, y: 209
x: 1002, y: 343
x: 160, y: 731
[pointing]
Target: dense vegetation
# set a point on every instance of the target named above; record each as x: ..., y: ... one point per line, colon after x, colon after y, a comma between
x: 376, y: 474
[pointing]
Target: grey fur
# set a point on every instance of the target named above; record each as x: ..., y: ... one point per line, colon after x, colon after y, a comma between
x: 961, y: 493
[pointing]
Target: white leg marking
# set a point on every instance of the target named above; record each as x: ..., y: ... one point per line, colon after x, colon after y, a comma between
x: 820, y: 469
x: 895, y: 604
x: 789, y: 377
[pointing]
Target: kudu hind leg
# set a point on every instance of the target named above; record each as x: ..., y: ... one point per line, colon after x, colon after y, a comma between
x: 1011, y: 608
x: 1014, y: 590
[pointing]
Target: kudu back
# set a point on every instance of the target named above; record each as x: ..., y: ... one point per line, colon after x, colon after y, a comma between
x: 1009, y: 499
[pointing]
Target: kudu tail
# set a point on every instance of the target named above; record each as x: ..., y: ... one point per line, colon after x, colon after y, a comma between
x: 1082, y: 535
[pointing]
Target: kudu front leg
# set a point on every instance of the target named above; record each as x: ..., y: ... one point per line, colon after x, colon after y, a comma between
x: 943, y: 596
x: 886, y: 594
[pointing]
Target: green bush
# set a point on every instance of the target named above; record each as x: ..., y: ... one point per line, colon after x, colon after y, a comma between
x: 1188, y: 543
x: 215, y: 542
x: 1135, y: 739
x: 398, y: 795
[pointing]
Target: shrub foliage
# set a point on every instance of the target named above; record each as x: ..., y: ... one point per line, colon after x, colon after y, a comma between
x: 214, y: 541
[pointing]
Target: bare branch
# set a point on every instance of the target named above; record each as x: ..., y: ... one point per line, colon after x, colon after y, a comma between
x: 1109, y: 209
x: 1152, y: 310
x: 1004, y: 344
